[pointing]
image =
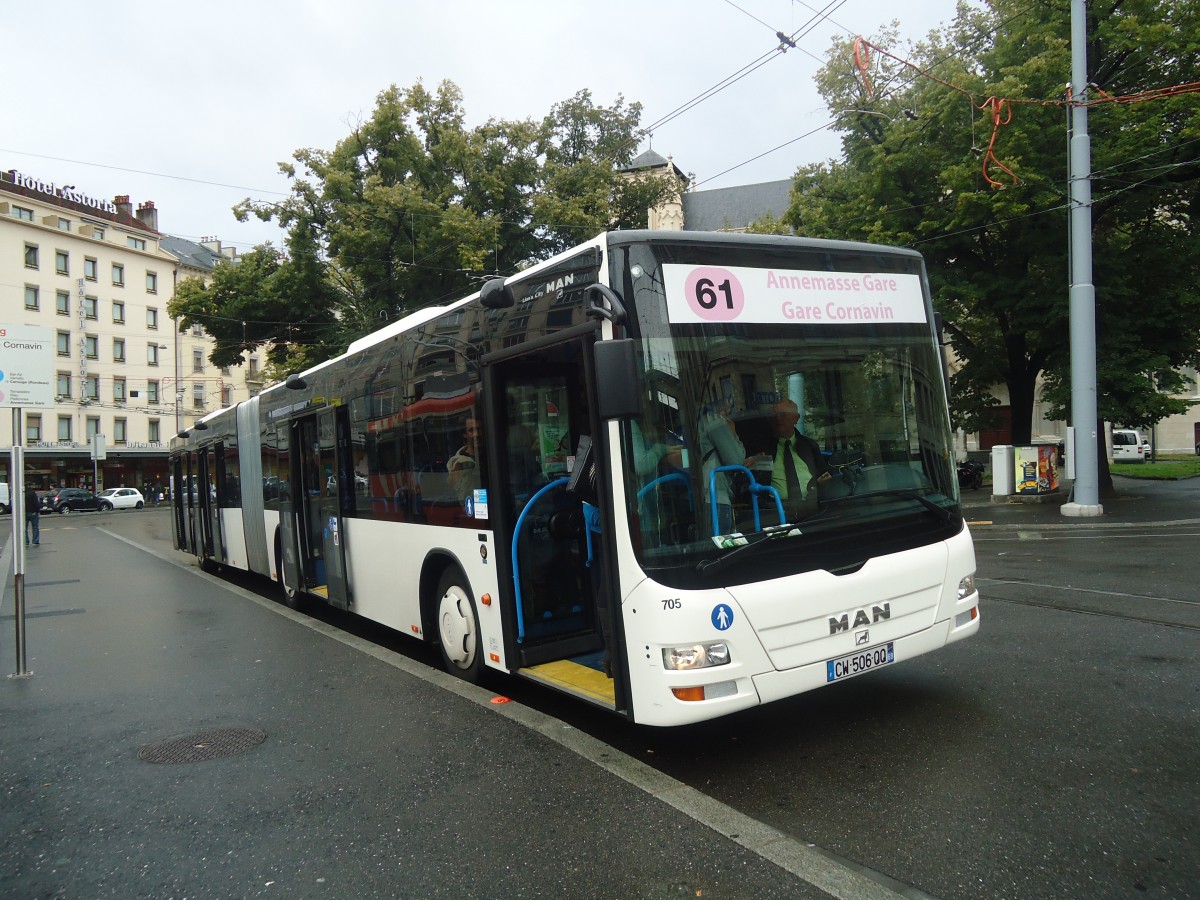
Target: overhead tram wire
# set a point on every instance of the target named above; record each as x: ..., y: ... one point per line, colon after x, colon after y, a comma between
x: 80, y: 162
x: 750, y: 67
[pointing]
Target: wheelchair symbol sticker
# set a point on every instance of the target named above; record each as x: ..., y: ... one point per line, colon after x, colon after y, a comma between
x: 722, y: 616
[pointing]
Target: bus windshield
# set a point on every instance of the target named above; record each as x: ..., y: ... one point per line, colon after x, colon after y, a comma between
x: 793, y: 436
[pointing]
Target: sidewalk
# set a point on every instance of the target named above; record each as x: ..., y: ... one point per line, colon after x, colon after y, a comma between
x: 325, y: 766
x: 1138, y: 502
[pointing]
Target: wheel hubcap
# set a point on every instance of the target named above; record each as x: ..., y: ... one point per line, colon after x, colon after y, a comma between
x: 456, y: 627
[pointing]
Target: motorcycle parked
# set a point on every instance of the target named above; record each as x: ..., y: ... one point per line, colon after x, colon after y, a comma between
x: 970, y: 474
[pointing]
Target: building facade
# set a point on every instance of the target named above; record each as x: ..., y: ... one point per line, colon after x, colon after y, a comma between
x: 98, y: 275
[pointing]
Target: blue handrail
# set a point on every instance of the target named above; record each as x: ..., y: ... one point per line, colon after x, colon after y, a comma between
x: 561, y: 482
x: 670, y: 476
x: 755, y: 490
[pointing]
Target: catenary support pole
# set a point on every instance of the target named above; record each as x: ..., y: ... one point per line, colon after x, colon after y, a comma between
x: 16, y: 494
x: 1086, y: 491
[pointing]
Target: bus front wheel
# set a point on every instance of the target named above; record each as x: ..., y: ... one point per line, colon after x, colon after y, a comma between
x: 458, y: 627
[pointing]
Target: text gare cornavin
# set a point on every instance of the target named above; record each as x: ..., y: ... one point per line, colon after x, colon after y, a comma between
x: 836, y: 310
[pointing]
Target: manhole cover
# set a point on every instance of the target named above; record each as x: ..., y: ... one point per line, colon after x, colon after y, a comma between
x: 214, y: 744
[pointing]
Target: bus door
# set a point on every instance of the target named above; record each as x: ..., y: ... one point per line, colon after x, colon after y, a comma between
x: 320, y: 481
x: 202, y: 508
x: 215, y: 464
x: 541, y: 410
x: 191, y: 502
x: 178, y: 510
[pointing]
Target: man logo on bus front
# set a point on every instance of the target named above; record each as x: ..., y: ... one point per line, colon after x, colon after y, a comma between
x: 843, y: 622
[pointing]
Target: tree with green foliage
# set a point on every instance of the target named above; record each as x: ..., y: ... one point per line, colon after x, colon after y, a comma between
x: 414, y: 208
x: 930, y: 163
x: 261, y: 298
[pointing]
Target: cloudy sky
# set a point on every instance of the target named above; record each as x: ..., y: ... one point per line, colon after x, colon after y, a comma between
x: 193, y: 105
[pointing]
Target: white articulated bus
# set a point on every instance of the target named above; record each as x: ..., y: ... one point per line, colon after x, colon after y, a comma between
x: 674, y: 474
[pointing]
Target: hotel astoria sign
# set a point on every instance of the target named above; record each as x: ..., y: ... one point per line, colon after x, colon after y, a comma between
x: 66, y: 192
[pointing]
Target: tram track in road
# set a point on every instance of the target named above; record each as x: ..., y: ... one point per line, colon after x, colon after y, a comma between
x: 988, y: 587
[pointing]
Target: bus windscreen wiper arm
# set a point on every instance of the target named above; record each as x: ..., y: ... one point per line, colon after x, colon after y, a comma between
x: 755, y: 540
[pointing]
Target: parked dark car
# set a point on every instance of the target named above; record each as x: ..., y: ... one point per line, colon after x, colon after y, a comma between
x: 44, y: 501
x: 66, y: 500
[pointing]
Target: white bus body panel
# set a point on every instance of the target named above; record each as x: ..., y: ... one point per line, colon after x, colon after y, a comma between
x: 384, y: 562
x: 233, y: 536
x: 780, y: 635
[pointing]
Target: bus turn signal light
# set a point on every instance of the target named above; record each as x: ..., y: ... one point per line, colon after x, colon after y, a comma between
x: 688, y: 693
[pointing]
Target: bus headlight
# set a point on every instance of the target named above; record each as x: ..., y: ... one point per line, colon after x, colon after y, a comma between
x: 966, y: 587
x: 696, y: 656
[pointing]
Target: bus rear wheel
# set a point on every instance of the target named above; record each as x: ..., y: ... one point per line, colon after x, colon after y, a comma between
x: 292, y: 598
x: 458, y: 628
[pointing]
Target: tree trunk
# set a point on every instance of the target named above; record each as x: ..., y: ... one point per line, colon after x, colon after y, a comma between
x: 1104, y: 484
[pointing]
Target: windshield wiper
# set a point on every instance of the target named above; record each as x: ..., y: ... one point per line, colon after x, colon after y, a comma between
x: 753, y: 542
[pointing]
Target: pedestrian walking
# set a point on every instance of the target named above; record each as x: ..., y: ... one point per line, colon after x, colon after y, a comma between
x: 33, y: 518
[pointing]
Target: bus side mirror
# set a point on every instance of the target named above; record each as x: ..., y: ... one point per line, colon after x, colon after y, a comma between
x: 496, y: 295
x: 616, y: 380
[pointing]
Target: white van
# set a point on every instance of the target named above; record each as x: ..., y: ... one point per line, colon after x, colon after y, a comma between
x: 1127, y: 446
x: 5, y: 500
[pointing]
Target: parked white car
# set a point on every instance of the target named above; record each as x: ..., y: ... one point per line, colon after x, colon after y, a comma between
x: 121, y: 498
x: 1128, y: 446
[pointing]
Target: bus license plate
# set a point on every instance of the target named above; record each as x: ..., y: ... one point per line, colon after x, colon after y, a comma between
x: 857, y: 663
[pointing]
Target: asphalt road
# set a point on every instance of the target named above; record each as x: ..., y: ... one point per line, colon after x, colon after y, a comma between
x: 1053, y: 755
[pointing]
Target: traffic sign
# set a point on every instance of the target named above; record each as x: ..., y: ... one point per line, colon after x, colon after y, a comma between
x: 26, y: 366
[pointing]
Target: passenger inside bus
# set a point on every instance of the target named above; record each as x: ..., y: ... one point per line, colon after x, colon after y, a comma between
x: 463, y: 466
x: 720, y: 445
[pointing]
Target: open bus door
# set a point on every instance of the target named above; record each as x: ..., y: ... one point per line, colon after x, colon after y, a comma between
x: 202, y: 503
x: 541, y: 410
x: 314, y: 530
x: 178, y: 510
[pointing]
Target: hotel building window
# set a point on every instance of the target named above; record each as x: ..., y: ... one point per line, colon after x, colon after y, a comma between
x: 63, y: 343
x: 118, y: 431
x: 91, y: 346
x: 31, y: 256
x: 118, y: 273
x: 119, y: 390
x: 152, y: 392
x: 119, y: 312
x: 64, y: 224
x: 92, y: 427
x: 91, y: 387
x: 64, y: 428
x: 198, y: 396
x: 119, y: 350
x: 89, y: 307
x: 152, y: 354
x: 197, y: 360
x: 152, y: 317
x: 151, y: 282
x: 152, y: 431
x: 136, y: 243
x: 32, y: 300
x: 33, y: 429
x: 62, y: 385
x: 89, y: 268
x: 62, y: 262
x: 98, y: 233
x: 62, y: 303
x: 25, y: 215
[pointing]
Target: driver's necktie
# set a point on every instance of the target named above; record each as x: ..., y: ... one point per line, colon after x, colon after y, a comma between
x: 794, y: 489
